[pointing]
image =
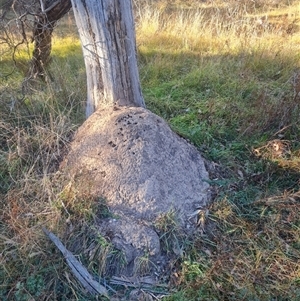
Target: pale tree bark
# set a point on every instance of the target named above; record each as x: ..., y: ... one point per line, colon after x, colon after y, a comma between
x: 107, y: 33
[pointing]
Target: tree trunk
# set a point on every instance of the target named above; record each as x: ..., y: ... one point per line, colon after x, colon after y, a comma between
x: 42, y: 36
x: 106, y: 29
x: 45, y: 21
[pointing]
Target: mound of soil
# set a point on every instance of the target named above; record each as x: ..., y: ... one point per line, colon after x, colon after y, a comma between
x: 131, y: 157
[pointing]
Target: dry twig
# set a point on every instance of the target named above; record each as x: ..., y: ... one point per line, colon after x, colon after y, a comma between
x: 79, y: 271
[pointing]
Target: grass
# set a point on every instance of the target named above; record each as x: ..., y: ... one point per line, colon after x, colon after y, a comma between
x: 224, y: 76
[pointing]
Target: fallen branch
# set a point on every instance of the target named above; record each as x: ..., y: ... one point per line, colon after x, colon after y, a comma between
x: 79, y: 271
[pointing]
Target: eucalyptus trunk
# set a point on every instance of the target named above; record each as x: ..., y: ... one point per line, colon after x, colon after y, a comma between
x: 107, y: 33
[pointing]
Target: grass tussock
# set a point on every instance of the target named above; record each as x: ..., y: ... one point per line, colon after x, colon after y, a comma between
x: 225, y: 75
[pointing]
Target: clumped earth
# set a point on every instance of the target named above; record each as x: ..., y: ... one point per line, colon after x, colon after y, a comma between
x: 131, y: 158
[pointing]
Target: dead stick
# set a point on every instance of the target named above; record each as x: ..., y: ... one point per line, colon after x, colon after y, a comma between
x: 79, y: 271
